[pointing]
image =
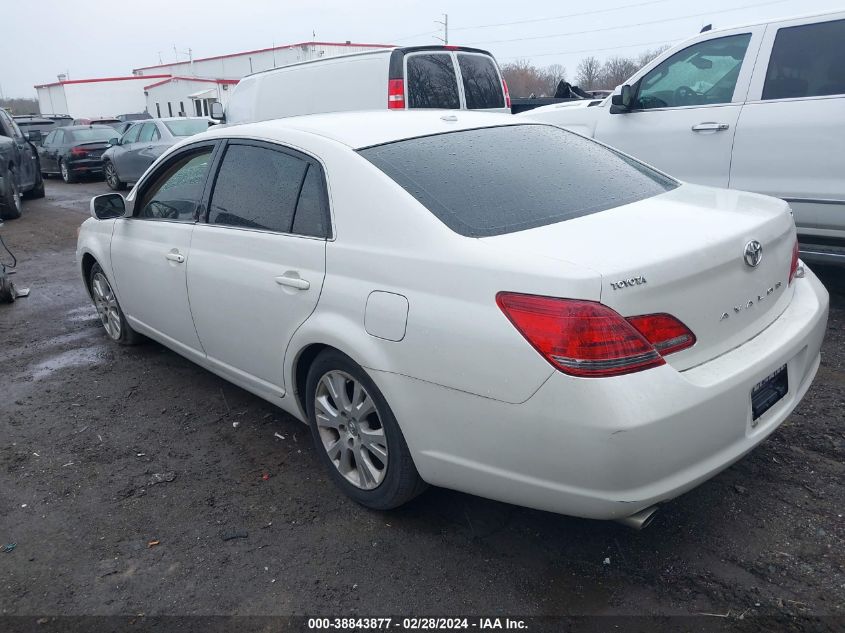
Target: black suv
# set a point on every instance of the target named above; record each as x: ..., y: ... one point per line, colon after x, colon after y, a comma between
x: 20, y: 170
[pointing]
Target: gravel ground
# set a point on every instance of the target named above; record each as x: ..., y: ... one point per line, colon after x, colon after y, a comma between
x: 124, y: 470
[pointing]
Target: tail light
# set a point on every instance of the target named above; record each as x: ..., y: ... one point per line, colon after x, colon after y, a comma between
x: 793, y: 265
x: 396, y: 94
x: 507, y: 93
x: 78, y: 151
x: 588, y: 339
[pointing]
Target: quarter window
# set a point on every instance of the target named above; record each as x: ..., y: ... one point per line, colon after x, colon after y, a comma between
x: 482, y: 85
x: 699, y: 75
x: 807, y: 61
x: 310, y: 216
x: 432, y: 82
x: 176, y: 194
x: 257, y: 188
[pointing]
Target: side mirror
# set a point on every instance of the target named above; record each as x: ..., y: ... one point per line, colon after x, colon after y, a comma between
x: 623, y: 101
x: 108, y: 206
x: 217, y: 111
x: 33, y: 136
x: 114, y: 141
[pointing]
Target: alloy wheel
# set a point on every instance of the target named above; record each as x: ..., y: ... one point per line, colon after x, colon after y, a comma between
x: 106, y: 304
x: 111, y: 176
x: 65, y: 173
x: 350, y: 428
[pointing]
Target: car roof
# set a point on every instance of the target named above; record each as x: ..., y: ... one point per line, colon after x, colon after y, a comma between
x: 91, y: 126
x: 364, y: 129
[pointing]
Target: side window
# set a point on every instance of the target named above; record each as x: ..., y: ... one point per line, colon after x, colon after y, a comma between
x: 311, y: 218
x: 432, y: 82
x: 50, y: 137
x: 807, y: 61
x: 60, y: 137
x: 5, y: 128
x: 148, y: 133
x: 131, y: 134
x: 701, y: 74
x: 482, y: 85
x: 176, y: 193
x: 256, y: 188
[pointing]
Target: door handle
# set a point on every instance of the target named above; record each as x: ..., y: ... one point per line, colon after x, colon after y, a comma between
x: 297, y: 282
x: 710, y: 127
x: 175, y: 256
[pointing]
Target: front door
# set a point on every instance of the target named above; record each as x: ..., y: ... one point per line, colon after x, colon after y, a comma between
x: 685, y: 110
x: 151, y: 250
x: 257, y: 265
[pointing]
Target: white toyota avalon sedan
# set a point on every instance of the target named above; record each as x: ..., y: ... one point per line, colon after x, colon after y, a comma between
x: 469, y: 300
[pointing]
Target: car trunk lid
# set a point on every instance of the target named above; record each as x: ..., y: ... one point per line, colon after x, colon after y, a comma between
x: 682, y: 253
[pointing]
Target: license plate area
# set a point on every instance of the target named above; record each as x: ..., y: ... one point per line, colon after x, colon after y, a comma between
x: 766, y: 393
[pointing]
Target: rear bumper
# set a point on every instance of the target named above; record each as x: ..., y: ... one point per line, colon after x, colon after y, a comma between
x: 607, y: 448
x: 85, y: 165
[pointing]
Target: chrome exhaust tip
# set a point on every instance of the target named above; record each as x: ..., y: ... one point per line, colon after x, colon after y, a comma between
x: 641, y: 519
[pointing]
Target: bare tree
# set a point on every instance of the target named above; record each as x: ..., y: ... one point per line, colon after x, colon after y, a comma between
x: 552, y: 75
x: 20, y: 105
x: 650, y: 54
x: 524, y: 79
x: 616, y: 70
x: 588, y: 73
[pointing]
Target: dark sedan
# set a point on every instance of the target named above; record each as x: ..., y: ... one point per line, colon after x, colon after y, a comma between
x: 74, y: 151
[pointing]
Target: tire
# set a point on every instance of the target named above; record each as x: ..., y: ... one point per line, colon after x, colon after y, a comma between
x: 358, y: 444
x: 112, y: 179
x: 10, y: 200
x: 67, y: 175
x: 108, y: 309
x: 38, y: 190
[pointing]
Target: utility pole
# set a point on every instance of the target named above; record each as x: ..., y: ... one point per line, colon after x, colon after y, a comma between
x: 445, y: 24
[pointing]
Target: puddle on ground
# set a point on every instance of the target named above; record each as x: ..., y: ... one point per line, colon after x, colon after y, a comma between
x: 82, y: 313
x: 71, y: 358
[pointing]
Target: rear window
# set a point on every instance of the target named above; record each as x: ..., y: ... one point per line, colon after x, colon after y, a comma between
x: 187, y: 127
x: 482, y: 85
x: 497, y: 180
x: 432, y: 82
x: 91, y: 135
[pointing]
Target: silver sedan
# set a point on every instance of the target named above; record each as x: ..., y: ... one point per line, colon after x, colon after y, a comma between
x: 130, y: 155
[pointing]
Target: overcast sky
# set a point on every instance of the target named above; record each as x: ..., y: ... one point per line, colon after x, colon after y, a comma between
x: 97, y: 38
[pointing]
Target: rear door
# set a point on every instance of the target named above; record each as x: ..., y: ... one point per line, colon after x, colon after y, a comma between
x: 686, y: 108
x: 258, y: 263
x: 790, y: 142
x: 453, y: 79
x: 24, y: 156
x: 150, y: 251
x: 46, y: 153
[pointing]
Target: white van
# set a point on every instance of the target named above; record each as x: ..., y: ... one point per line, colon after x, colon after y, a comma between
x: 451, y: 77
x: 758, y: 107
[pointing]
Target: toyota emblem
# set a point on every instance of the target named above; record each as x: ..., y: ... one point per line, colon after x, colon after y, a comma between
x: 753, y: 253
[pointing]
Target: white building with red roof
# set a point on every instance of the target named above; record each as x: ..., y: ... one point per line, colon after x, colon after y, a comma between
x: 186, y: 87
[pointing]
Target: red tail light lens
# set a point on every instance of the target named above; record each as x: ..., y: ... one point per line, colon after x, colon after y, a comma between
x: 793, y: 265
x: 396, y: 94
x: 78, y: 151
x: 580, y: 338
x: 665, y: 332
x: 507, y: 93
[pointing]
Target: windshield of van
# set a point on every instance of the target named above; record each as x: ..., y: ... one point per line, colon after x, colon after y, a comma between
x: 482, y: 85
x: 497, y: 180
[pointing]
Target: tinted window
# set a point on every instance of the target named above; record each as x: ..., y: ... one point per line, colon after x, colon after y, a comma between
x: 310, y: 216
x: 90, y: 135
x: 187, y: 127
x: 482, y: 86
x: 432, y: 82
x: 50, y: 138
x: 176, y: 194
x: 256, y: 188
x: 701, y: 74
x: 131, y: 134
x: 807, y: 61
x: 148, y: 133
x: 504, y: 179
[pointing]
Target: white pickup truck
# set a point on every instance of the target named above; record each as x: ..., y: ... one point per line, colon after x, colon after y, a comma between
x: 760, y: 108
